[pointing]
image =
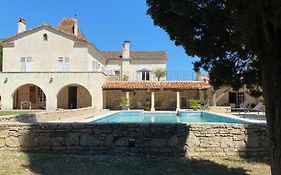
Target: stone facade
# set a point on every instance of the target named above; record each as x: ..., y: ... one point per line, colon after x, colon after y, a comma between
x: 174, y: 139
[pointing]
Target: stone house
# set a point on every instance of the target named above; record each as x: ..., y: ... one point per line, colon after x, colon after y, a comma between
x: 49, y: 68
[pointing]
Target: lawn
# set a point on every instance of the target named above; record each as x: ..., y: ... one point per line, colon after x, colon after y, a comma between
x: 14, y: 162
x: 2, y: 113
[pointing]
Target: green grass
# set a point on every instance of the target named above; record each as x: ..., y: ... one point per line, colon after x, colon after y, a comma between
x: 3, y: 113
x: 14, y: 162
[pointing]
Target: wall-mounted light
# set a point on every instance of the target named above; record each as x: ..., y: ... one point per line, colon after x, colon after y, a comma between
x: 6, y: 80
x: 51, y: 80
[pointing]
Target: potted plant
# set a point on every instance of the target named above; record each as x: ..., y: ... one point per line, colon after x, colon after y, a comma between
x: 124, y: 103
x: 125, y: 78
x: 195, y: 104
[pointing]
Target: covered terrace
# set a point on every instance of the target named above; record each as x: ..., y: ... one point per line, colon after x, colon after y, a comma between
x: 154, y: 95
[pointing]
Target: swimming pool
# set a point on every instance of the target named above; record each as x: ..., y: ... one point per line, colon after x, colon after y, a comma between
x: 169, y: 117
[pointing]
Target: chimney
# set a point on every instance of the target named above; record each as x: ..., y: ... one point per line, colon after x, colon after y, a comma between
x: 21, y: 25
x: 126, y: 49
x: 75, y: 31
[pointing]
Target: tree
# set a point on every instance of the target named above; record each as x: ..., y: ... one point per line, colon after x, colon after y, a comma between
x: 159, y: 73
x: 237, y: 42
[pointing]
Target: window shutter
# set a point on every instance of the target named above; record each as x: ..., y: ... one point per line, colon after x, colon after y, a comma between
x: 22, y: 64
x: 28, y: 64
x: 60, y: 63
x: 94, y: 65
x: 66, y: 63
x: 138, y: 77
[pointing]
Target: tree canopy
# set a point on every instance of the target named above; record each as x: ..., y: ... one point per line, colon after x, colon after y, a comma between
x: 159, y: 73
x: 237, y: 42
x: 213, y: 31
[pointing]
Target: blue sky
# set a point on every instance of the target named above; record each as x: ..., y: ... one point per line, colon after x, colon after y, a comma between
x: 107, y: 23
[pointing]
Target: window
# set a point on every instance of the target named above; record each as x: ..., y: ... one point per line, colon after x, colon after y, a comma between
x: 145, y: 75
x: 25, y: 64
x: 110, y: 72
x: 117, y: 72
x: 63, y: 64
x: 96, y: 66
x: 45, y: 37
x: 40, y: 95
x: 236, y: 97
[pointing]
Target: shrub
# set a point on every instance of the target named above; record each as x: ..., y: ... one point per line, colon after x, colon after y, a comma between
x: 195, y: 103
x: 124, y: 102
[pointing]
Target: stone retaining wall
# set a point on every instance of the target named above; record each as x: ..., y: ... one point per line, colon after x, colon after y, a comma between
x: 177, y: 139
x: 49, y: 116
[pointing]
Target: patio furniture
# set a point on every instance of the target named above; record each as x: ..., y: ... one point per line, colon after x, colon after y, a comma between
x: 242, y: 107
x: 23, y: 103
x: 258, y: 108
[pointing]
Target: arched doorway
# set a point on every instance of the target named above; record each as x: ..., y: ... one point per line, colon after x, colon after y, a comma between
x: 73, y: 96
x: 29, y: 96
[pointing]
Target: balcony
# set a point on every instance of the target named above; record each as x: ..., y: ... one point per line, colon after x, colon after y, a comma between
x: 169, y: 76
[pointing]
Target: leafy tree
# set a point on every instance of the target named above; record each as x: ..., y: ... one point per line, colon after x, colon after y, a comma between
x: 237, y: 42
x: 159, y: 73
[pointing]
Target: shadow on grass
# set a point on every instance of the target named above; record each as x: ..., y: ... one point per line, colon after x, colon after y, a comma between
x: 69, y: 164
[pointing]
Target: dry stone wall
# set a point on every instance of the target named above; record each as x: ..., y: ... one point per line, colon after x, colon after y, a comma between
x: 174, y: 139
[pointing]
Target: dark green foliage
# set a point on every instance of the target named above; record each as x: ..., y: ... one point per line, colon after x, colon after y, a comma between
x: 238, y: 43
x: 217, y: 32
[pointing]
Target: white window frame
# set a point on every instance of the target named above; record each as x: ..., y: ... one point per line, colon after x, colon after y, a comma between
x: 97, y: 66
x: 26, y: 64
x: 64, y: 63
x: 146, y: 75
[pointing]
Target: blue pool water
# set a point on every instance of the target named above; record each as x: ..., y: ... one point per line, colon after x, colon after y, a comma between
x: 183, y: 117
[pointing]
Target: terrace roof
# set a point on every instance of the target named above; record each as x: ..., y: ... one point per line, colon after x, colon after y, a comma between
x: 156, y: 85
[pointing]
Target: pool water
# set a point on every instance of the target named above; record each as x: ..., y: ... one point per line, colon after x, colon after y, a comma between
x: 182, y: 117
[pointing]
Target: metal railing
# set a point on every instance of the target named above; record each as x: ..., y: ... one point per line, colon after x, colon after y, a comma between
x: 170, y: 76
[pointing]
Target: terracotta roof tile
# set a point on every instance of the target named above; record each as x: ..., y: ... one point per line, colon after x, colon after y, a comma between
x: 136, y: 54
x: 155, y: 85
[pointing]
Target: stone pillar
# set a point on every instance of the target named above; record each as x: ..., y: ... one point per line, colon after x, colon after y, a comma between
x: 103, y: 99
x: 178, y: 101
x: 51, y: 103
x: 152, y: 101
x: 128, y: 97
x: 7, y: 102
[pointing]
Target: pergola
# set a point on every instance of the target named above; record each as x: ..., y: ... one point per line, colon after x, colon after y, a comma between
x: 153, y: 86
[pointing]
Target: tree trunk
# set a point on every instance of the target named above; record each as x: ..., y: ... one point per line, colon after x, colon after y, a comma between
x: 271, y: 76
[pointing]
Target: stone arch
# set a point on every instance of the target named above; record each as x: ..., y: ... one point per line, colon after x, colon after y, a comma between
x: 73, y: 96
x: 29, y: 96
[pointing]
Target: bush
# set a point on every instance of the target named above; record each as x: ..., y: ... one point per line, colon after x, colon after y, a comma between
x: 125, y: 78
x: 195, y: 103
x: 124, y: 102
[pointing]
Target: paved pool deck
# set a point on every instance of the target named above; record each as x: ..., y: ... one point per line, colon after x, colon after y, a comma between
x: 251, y: 115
